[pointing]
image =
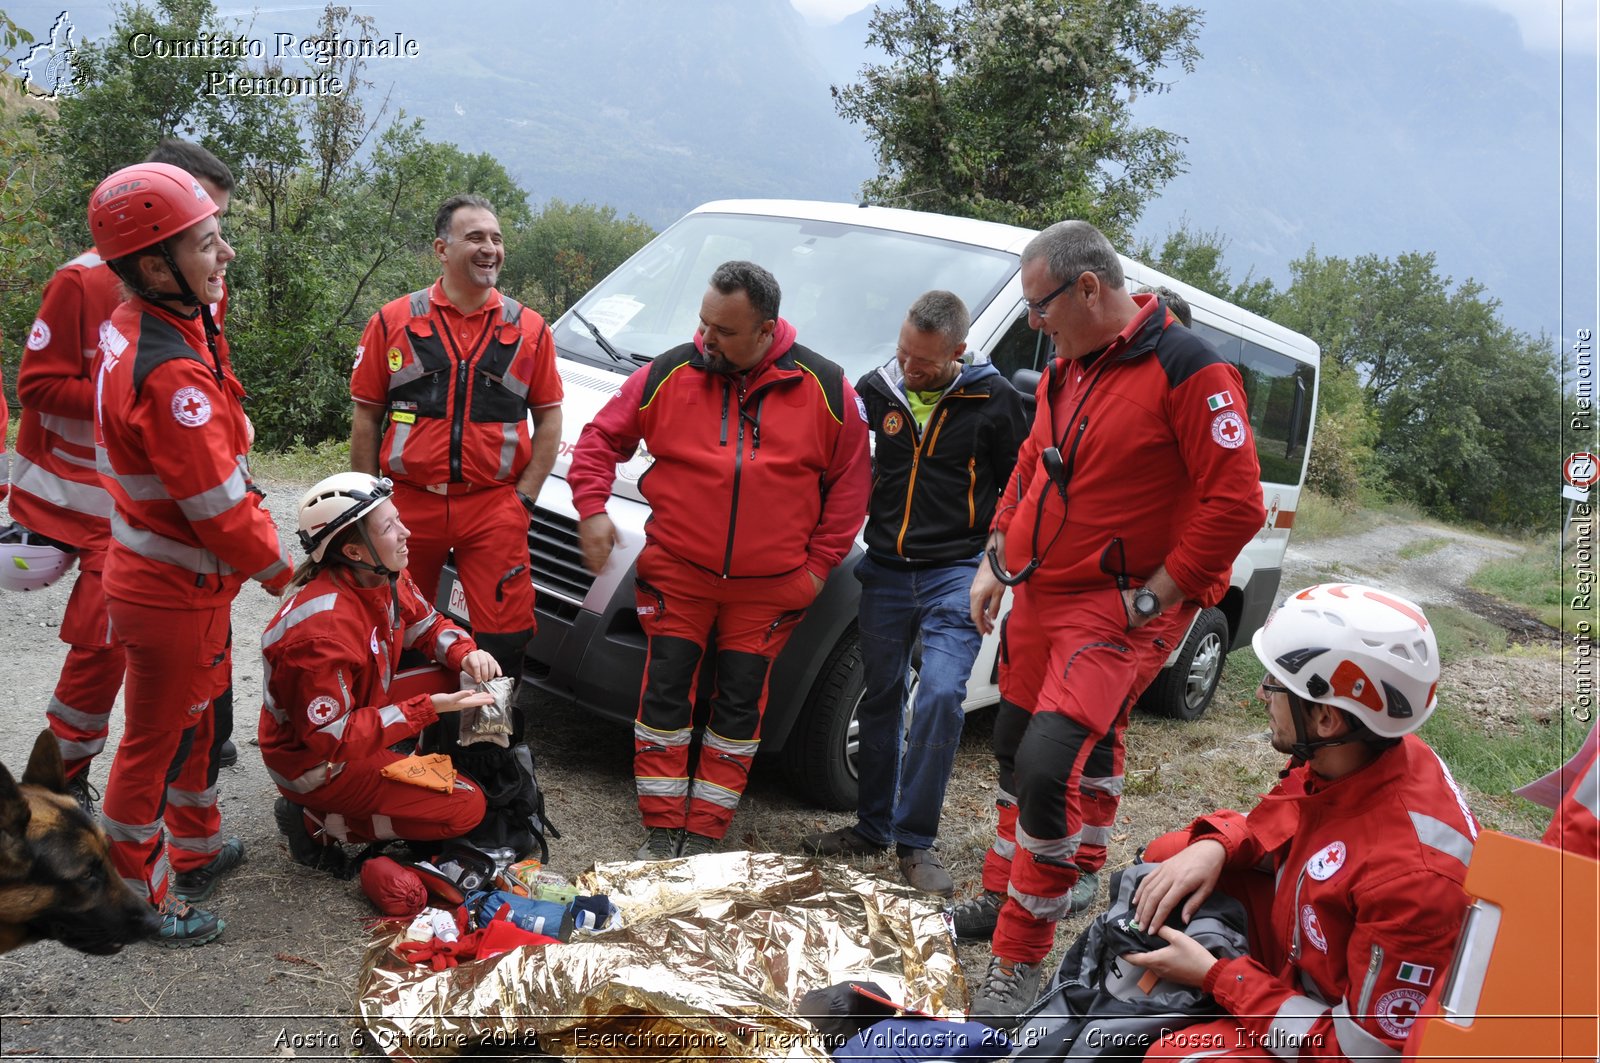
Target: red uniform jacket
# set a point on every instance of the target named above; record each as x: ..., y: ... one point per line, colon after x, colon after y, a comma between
x: 1157, y: 441
x: 188, y: 526
x: 752, y: 477
x: 1368, y: 905
x: 5, y: 458
x: 1576, y: 825
x: 457, y: 387
x: 330, y: 655
x: 58, y: 492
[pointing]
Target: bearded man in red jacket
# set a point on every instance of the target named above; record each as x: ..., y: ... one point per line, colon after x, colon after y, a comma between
x: 758, y: 487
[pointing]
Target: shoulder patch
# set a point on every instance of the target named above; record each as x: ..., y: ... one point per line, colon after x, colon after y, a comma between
x: 1228, y: 430
x: 190, y: 407
x: 1397, y: 1011
x: 39, y: 335
x: 861, y: 408
x: 321, y: 710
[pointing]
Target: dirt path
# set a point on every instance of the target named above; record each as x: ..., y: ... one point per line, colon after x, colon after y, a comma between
x: 278, y: 984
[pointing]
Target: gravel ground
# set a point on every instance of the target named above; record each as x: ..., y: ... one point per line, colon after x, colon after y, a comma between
x: 278, y: 984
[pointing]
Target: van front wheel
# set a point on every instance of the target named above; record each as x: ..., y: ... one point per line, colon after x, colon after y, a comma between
x: 1184, y: 691
x: 820, y: 754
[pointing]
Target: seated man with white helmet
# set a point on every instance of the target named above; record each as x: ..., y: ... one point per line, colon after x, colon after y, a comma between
x: 331, y: 712
x: 1351, y: 869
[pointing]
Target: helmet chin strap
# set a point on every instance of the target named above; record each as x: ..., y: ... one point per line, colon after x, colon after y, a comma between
x: 187, y: 297
x: 377, y: 568
x: 1303, y: 747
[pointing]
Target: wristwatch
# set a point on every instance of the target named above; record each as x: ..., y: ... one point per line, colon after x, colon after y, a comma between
x: 1145, y: 603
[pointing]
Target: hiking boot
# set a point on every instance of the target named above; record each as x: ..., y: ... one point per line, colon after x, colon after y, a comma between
x: 197, y: 884
x: 228, y: 755
x: 303, y: 848
x: 923, y: 870
x: 1008, y: 989
x: 976, y: 919
x: 845, y: 841
x: 183, y: 925
x: 696, y: 844
x: 661, y: 843
x: 1084, y: 892
x: 83, y: 792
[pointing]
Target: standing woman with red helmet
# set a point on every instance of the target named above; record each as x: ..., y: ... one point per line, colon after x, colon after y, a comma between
x: 188, y: 529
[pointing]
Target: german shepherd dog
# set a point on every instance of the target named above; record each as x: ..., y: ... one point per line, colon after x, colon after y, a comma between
x: 56, y: 878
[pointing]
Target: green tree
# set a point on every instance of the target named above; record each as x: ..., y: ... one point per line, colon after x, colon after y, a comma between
x: 565, y: 249
x: 1196, y: 258
x: 126, y: 103
x: 1020, y: 110
x: 333, y: 214
x: 1459, y: 408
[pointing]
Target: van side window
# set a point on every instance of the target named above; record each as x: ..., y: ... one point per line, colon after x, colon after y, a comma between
x: 1019, y: 348
x: 1278, y: 391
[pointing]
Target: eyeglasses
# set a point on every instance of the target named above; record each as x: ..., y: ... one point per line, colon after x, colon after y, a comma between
x: 1271, y: 687
x: 1042, y: 307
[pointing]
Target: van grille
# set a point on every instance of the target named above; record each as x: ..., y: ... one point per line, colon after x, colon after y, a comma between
x: 557, y: 561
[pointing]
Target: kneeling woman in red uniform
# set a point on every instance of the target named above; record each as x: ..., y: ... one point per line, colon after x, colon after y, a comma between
x: 331, y: 712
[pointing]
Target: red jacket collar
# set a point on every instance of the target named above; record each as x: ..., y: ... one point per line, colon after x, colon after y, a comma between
x: 783, y: 337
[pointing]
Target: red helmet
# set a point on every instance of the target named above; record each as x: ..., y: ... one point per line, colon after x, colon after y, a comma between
x: 140, y: 206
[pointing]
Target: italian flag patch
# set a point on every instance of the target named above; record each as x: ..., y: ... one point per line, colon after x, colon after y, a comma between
x: 1219, y: 400
x: 1410, y: 972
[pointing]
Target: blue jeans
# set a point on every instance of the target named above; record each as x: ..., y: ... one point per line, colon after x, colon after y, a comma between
x: 901, y: 796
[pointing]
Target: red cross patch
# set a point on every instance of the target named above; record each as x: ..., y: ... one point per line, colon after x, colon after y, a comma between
x: 1227, y: 430
x: 190, y: 407
x: 1397, y: 1010
x: 1326, y: 862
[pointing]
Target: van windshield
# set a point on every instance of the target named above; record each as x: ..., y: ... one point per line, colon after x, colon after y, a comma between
x: 845, y: 289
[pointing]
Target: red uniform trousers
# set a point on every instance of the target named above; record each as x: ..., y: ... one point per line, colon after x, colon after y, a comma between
x: 1224, y: 1038
x: 679, y: 605
x: 360, y: 805
x: 80, y: 709
x: 488, y: 529
x: 178, y: 660
x: 1070, y: 671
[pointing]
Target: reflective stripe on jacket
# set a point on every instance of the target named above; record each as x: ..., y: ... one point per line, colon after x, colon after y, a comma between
x: 329, y: 656
x: 172, y: 446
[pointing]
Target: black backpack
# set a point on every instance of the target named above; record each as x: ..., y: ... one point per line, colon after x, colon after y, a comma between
x: 514, y: 816
x: 1080, y: 1017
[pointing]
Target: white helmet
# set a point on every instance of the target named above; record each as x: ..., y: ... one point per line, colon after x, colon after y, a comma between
x: 30, y: 562
x: 336, y: 503
x: 1357, y: 648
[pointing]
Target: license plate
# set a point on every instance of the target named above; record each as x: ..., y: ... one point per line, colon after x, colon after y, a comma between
x: 455, y: 599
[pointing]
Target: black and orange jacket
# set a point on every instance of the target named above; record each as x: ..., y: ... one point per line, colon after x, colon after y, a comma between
x: 754, y: 474
x: 1155, y: 436
x: 934, y: 489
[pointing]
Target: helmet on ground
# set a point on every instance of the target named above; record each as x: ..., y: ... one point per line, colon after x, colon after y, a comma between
x: 335, y: 504
x: 140, y: 206
x: 1357, y: 648
x: 30, y: 562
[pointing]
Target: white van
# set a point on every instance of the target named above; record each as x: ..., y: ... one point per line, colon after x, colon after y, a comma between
x: 848, y: 274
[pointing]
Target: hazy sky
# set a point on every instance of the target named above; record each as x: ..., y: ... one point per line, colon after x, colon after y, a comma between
x: 1539, y: 20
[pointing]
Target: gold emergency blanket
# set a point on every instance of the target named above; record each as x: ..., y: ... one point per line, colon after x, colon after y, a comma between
x: 712, y: 956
